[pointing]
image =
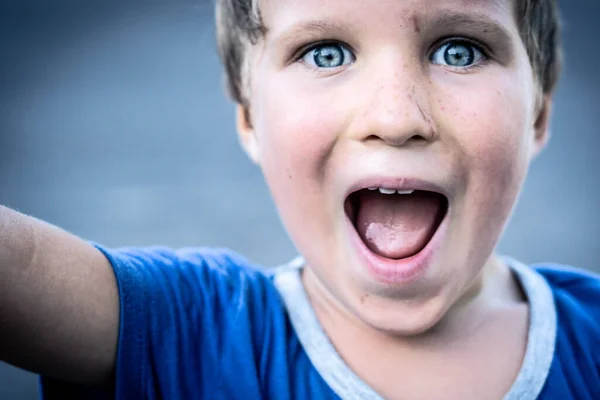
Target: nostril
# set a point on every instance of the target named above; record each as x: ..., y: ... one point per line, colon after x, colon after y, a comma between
x: 371, y: 138
x: 393, y: 142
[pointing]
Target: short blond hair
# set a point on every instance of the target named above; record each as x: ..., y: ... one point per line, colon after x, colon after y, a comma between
x: 239, y: 27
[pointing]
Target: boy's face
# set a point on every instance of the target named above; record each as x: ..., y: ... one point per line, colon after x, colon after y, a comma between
x: 426, y: 95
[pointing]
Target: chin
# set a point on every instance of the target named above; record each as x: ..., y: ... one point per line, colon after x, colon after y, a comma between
x: 402, y: 319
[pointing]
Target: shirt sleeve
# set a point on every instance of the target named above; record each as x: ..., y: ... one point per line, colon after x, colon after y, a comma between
x: 180, y: 312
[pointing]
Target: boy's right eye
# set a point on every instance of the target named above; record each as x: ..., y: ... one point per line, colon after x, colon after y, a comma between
x: 328, y: 55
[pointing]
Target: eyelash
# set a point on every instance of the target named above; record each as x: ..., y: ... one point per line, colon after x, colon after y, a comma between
x: 466, y: 41
x: 305, y: 49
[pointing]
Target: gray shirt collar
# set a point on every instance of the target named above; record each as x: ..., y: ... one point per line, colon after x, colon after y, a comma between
x: 346, y: 384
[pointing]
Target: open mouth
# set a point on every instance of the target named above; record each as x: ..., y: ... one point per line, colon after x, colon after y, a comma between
x: 396, y: 224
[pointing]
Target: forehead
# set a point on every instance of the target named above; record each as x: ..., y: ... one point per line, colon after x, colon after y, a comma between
x: 282, y: 15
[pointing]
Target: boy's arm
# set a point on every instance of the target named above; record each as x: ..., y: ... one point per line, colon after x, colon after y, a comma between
x: 59, y: 307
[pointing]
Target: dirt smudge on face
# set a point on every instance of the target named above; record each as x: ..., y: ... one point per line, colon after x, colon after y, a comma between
x: 415, y: 21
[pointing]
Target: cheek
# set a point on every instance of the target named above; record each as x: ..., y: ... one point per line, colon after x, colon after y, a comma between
x: 500, y: 152
x: 494, y: 135
x: 297, y: 129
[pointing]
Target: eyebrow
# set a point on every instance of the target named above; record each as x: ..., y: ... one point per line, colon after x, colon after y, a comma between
x: 318, y: 26
x: 447, y: 20
x: 497, y: 37
x: 471, y: 22
x: 309, y: 29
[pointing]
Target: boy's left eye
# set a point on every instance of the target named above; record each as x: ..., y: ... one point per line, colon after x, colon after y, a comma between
x: 330, y: 55
x: 457, y: 53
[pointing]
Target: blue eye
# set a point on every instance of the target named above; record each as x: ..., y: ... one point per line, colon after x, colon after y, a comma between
x: 456, y: 53
x: 328, y: 56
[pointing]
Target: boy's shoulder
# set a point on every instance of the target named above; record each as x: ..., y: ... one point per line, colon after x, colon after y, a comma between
x: 218, y: 264
x: 575, y: 369
x: 186, y: 311
x: 576, y: 294
x: 578, y: 286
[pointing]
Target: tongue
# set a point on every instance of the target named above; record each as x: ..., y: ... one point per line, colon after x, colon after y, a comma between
x: 397, y: 226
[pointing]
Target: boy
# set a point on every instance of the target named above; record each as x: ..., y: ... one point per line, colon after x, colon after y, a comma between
x: 395, y: 136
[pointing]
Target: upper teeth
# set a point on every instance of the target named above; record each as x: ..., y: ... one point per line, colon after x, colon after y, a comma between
x: 391, y: 191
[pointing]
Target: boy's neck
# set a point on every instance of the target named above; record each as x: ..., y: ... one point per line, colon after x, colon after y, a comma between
x: 455, y: 351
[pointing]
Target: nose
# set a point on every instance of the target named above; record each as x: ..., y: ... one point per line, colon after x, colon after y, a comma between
x: 396, y: 108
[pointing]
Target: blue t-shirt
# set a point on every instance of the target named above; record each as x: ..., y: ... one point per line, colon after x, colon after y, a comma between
x: 207, y: 324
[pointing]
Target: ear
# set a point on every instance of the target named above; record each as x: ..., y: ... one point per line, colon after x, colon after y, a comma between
x: 542, y: 126
x: 246, y: 134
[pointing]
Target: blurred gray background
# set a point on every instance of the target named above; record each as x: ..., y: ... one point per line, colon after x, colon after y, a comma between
x: 114, y: 126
